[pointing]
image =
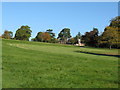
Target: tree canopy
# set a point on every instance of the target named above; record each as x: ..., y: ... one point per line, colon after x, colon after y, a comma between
x: 90, y: 38
x: 7, y: 34
x: 23, y: 33
x: 110, y: 36
x: 64, y: 35
x: 43, y: 37
x: 50, y: 31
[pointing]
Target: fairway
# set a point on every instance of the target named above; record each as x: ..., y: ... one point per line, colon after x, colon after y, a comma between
x: 46, y: 65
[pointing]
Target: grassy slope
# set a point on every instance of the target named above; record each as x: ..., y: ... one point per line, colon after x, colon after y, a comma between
x: 43, y: 65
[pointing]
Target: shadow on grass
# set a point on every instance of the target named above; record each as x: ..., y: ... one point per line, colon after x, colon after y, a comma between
x: 98, y: 54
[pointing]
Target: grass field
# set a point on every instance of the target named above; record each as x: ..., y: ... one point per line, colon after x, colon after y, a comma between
x: 43, y: 65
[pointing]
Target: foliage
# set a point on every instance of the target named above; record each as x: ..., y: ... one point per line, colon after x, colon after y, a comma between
x: 53, y: 39
x: 78, y: 36
x: 33, y: 39
x: 115, y: 22
x: 110, y: 37
x: 23, y: 33
x: 50, y: 31
x: 43, y: 37
x: 7, y: 34
x: 91, y: 38
x: 64, y: 35
x: 72, y: 40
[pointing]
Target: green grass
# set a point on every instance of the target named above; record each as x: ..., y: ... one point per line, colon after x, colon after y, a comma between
x: 44, y: 65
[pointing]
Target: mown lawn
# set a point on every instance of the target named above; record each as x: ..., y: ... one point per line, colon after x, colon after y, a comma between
x: 43, y: 65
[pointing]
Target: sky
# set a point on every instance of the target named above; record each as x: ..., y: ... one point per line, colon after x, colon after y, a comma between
x: 40, y: 16
x: 60, y: 0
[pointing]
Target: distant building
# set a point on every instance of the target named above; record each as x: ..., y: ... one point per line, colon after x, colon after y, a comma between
x: 79, y: 43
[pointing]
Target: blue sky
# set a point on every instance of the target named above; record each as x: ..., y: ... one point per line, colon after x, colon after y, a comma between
x: 40, y: 16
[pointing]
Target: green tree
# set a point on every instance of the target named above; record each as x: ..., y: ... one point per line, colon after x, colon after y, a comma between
x: 50, y: 31
x: 115, y: 22
x: 72, y: 40
x: 77, y: 37
x: 91, y: 38
x: 7, y: 34
x: 64, y: 35
x: 23, y: 33
x: 33, y: 39
x: 110, y: 37
x: 38, y: 37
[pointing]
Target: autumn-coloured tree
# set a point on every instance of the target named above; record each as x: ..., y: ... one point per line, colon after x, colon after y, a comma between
x: 7, y: 34
x: 53, y: 39
x: 50, y: 31
x: 46, y: 36
x: 43, y: 37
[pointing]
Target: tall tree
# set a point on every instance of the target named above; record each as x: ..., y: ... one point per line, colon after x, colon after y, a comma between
x: 110, y: 36
x: 78, y: 36
x: 53, y: 39
x: 90, y: 38
x: 50, y: 31
x: 64, y: 35
x: 7, y: 34
x: 23, y: 33
x: 115, y: 22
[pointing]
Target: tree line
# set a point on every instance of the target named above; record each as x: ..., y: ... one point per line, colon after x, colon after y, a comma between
x: 109, y: 38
